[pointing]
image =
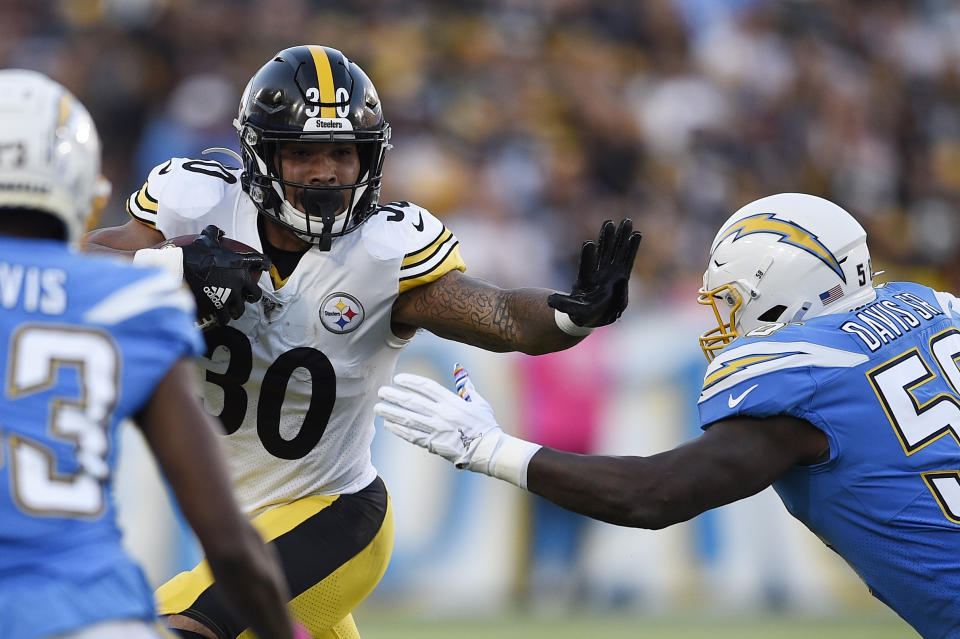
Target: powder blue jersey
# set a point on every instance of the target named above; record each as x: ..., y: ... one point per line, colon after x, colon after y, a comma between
x: 883, y: 383
x: 85, y: 340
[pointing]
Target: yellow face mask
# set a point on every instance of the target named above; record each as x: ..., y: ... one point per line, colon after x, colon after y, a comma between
x: 714, y: 340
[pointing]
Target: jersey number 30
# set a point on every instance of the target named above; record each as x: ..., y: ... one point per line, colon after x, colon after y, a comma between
x: 323, y: 393
x: 919, y: 424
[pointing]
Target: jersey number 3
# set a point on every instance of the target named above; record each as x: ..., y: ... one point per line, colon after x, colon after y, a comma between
x: 323, y: 392
x: 917, y: 423
x: 77, y: 426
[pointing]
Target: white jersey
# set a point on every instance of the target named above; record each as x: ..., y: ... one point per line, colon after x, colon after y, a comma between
x: 295, y: 378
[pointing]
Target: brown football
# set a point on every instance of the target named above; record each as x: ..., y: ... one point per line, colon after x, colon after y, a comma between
x: 226, y: 242
x: 206, y: 321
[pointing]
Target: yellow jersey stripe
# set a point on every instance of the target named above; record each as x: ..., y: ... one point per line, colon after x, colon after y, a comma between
x: 276, y: 279
x: 424, y: 254
x: 139, y: 218
x: 324, y: 80
x: 450, y: 262
x: 146, y: 201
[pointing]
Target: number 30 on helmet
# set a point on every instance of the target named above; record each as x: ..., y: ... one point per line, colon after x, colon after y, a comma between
x: 784, y: 258
x: 311, y: 93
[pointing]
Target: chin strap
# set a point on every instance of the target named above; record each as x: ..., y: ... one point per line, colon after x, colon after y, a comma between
x: 325, y: 238
x: 323, y: 205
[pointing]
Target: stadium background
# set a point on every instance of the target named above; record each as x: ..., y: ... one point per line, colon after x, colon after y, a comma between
x: 523, y: 124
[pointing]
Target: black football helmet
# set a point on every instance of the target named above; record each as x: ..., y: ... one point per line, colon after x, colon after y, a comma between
x: 311, y: 93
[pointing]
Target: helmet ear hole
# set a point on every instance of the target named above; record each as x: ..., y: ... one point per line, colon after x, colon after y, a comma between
x: 772, y: 314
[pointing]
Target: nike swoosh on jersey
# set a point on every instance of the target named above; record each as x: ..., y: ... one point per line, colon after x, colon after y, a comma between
x: 419, y: 224
x: 733, y: 401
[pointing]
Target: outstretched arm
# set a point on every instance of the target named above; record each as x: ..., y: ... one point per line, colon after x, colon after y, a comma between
x: 469, y: 310
x: 531, y: 320
x: 733, y: 459
x: 183, y: 440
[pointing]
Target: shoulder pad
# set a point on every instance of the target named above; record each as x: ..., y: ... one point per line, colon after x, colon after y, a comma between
x: 417, y: 226
x: 181, y: 187
x: 428, y: 248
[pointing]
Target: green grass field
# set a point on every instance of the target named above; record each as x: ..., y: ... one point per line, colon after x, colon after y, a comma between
x: 876, y: 626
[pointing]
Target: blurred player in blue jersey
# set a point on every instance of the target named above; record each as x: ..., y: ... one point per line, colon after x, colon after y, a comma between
x: 87, y: 342
x: 844, y: 396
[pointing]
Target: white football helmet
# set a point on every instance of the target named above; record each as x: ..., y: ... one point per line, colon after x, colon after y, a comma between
x: 784, y: 258
x: 49, y: 151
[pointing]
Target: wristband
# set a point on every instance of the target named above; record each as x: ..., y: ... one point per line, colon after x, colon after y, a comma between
x: 511, y: 459
x: 503, y: 457
x: 169, y: 258
x: 568, y: 326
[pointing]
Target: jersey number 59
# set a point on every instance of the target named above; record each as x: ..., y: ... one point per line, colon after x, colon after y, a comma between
x: 919, y: 424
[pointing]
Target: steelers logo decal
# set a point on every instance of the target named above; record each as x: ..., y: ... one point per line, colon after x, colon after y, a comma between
x: 341, y: 313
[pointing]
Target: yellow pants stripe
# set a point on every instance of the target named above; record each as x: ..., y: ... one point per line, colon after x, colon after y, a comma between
x: 180, y: 592
x: 327, y: 585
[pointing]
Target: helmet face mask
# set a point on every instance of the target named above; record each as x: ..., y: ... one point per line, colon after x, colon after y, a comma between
x: 782, y: 259
x: 716, y: 339
x: 311, y: 95
x: 304, y: 202
x: 50, y: 159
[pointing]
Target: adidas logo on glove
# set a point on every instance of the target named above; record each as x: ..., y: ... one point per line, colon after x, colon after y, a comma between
x: 217, y: 294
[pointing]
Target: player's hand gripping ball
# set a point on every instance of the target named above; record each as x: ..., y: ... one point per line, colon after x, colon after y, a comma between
x: 221, y: 272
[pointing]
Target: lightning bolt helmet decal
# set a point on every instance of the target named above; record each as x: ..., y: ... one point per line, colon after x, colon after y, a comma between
x: 789, y: 233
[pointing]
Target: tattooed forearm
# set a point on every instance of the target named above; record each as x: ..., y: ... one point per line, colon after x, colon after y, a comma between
x: 477, y: 315
x: 475, y: 312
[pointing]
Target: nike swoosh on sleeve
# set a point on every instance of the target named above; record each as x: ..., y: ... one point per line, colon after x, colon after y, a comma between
x: 733, y: 401
x: 419, y: 224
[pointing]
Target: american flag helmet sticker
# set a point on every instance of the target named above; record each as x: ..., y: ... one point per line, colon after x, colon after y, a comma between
x: 832, y: 295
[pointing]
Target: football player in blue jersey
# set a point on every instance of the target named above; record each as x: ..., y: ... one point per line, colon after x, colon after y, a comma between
x: 88, y: 342
x: 843, y: 396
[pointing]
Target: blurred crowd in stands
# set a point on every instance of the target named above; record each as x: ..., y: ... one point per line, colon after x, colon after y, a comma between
x: 524, y: 123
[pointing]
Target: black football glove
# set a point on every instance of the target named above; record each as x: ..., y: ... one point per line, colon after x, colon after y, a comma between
x: 599, y: 295
x: 221, y: 279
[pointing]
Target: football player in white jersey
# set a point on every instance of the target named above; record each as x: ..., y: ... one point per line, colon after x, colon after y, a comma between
x: 295, y: 377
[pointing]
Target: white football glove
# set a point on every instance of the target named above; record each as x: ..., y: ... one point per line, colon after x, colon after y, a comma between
x: 461, y: 429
